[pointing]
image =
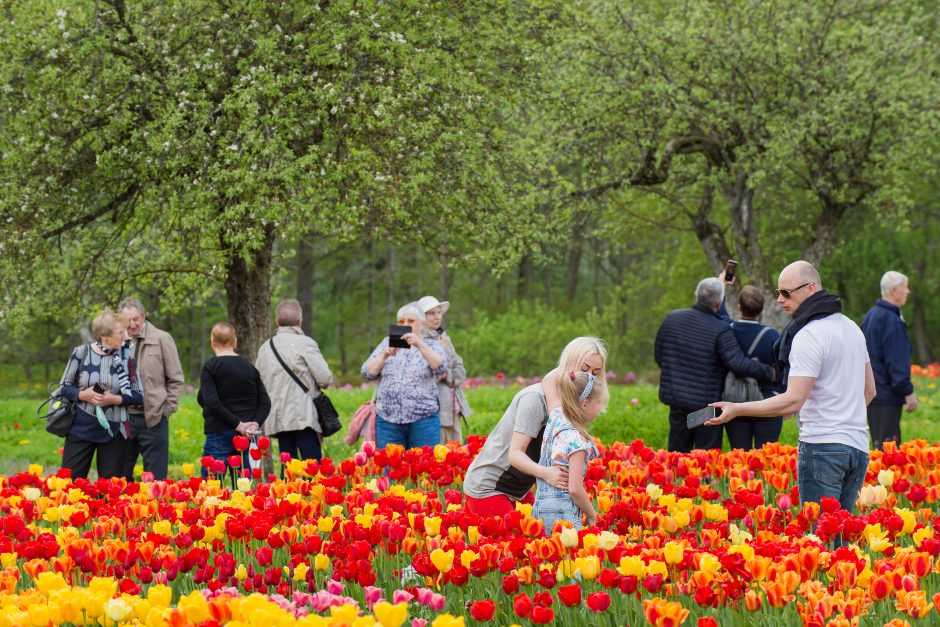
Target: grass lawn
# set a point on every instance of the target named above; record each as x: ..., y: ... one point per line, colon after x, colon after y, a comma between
x: 24, y: 441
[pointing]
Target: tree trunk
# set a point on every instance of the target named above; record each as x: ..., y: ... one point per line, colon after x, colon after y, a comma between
x: 526, y: 276
x: 921, y: 341
x: 305, y: 280
x: 248, y: 288
x: 575, y: 251
x: 391, y: 309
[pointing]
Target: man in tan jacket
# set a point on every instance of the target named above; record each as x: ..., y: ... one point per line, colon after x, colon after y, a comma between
x: 160, y: 372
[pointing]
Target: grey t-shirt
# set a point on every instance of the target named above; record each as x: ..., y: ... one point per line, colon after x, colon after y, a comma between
x: 490, y: 473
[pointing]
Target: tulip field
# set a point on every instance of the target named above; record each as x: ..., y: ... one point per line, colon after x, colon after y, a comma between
x: 382, y: 537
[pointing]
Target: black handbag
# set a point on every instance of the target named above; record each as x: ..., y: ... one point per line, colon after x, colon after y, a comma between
x: 326, y: 412
x: 58, y: 410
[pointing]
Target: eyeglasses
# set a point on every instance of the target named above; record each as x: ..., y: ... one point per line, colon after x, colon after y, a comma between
x: 787, y: 293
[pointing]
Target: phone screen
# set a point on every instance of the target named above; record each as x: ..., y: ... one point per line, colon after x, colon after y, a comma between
x: 700, y: 417
x: 97, y: 387
x: 730, y: 267
x: 394, y: 336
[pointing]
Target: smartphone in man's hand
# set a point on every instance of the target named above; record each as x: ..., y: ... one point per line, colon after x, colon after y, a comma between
x: 730, y: 269
x: 97, y: 387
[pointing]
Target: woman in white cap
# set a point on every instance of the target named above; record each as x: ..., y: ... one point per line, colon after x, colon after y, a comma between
x: 450, y: 385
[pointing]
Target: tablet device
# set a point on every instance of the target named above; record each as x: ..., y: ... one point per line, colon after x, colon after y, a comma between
x: 394, y: 336
x: 700, y: 417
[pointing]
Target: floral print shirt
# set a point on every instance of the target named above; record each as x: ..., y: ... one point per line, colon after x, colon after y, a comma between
x: 567, y: 440
x: 408, y: 390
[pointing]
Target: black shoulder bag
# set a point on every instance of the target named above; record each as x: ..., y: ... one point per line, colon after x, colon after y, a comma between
x: 326, y: 412
x: 58, y: 410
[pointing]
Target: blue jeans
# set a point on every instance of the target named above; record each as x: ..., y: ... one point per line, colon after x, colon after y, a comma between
x: 302, y: 444
x: 219, y: 446
x: 554, y: 508
x: 835, y: 470
x: 423, y: 432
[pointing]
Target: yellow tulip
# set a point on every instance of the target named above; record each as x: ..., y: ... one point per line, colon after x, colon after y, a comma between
x: 39, y: 614
x: 344, y: 613
x: 654, y: 491
x: 922, y: 534
x: 241, y: 573
x: 300, y: 571
x: 48, y: 581
x: 655, y: 566
x: 432, y: 526
x: 362, y: 621
x: 468, y: 557
x: 440, y: 452
x: 631, y: 565
x: 160, y: 595
x: 589, y: 565
x: 35, y: 469
x: 909, y: 518
x: 117, y: 610
x: 473, y: 534
x: 709, y: 563
x: 608, y: 540
x: 746, y: 551
x: 524, y: 508
x: 590, y: 540
x: 321, y: 562
x: 158, y: 617
x: 325, y: 524
x: 163, y: 527
x: 447, y: 620
x: 189, y: 469
x: 8, y: 559
x: 681, y: 517
x: 569, y: 537
x: 195, y: 607
x: 390, y: 615
x: 443, y: 560
x: 673, y: 552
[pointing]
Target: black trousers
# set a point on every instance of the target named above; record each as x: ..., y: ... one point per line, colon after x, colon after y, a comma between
x: 303, y: 444
x: 153, y: 444
x: 884, y: 422
x: 746, y: 432
x: 683, y: 439
x: 110, y: 457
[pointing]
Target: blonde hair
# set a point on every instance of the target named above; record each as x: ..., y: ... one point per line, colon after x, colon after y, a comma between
x: 104, y: 323
x: 579, y: 349
x: 570, y: 386
x: 223, y: 335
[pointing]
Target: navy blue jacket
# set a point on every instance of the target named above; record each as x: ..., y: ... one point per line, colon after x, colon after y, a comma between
x: 890, y: 351
x: 695, y: 349
x: 745, y: 331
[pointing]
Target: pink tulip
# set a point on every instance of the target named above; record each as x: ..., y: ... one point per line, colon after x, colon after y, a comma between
x: 437, y: 602
x: 373, y: 595
x: 634, y: 401
x: 784, y: 501
x: 146, y: 477
x: 360, y: 459
x: 419, y: 622
x: 368, y: 447
x: 334, y: 587
x: 424, y: 595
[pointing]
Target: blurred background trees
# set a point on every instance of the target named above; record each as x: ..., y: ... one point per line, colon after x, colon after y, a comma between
x: 552, y: 169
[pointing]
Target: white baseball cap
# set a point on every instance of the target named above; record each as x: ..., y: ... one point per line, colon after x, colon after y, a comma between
x: 427, y: 303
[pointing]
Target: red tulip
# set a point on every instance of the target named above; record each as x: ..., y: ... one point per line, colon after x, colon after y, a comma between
x: 234, y: 460
x: 542, y: 615
x: 570, y: 595
x: 483, y: 610
x: 522, y: 605
x: 264, y: 443
x: 510, y: 584
x: 240, y: 443
x: 598, y: 601
x: 707, y: 621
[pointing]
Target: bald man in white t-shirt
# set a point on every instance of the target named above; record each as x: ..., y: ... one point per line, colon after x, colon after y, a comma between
x: 829, y: 381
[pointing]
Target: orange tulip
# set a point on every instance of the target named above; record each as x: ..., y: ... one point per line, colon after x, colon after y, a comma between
x: 662, y: 613
x: 752, y: 601
x: 912, y: 603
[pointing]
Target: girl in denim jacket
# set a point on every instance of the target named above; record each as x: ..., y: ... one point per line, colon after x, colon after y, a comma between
x: 573, y: 403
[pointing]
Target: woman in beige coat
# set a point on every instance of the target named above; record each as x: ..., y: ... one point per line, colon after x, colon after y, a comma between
x: 450, y: 386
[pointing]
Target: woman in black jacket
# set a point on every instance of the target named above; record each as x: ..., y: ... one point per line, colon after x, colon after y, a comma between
x: 233, y: 399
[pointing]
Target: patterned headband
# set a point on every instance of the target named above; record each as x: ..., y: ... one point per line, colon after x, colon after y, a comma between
x: 587, y: 388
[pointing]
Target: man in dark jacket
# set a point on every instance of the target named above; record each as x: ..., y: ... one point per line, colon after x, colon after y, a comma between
x: 890, y: 351
x: 695, y: 349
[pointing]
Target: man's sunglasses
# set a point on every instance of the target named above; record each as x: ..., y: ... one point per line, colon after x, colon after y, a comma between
x: 787, y: 293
